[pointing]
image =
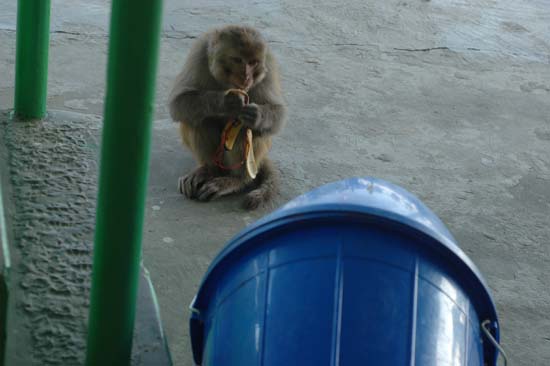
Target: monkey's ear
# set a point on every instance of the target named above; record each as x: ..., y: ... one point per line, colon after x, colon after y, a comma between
x: 216, y: 36
x: 213, y: 42
x: 225, y: 34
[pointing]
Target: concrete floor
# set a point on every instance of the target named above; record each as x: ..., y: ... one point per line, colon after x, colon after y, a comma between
x: 450, y: 99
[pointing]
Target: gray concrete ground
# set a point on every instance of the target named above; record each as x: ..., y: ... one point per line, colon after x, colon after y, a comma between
x: 450, y: 99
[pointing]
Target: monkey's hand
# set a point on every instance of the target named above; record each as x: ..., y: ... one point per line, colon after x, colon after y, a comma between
x: 233, y: 103
x: 250, y: 116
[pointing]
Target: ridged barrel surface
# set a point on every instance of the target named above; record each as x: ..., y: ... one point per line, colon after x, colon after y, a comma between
x: 355, y: 272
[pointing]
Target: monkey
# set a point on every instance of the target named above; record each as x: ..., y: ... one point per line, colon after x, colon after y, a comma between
x: 230, y: 57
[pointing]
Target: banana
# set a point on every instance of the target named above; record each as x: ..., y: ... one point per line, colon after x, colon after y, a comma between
x: 241, y: 92
x: 231, y: 132
x: 232, y: 129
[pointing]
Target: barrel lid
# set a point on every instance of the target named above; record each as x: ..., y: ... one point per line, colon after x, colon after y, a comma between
x: 368, y: 196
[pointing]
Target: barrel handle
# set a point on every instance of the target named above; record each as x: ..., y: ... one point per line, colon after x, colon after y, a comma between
x: 196, y: 330
x: 485, y: 327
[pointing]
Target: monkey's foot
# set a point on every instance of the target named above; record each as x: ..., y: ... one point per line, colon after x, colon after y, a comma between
x: 218, y: 187
x: 192, y: 182
x: 254, y: 199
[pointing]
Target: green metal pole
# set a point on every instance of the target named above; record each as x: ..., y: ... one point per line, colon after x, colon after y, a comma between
x: 31, y: 68
x: 133, y: 54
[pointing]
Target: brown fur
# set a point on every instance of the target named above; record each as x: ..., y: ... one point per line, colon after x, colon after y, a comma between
x: 219, y: 60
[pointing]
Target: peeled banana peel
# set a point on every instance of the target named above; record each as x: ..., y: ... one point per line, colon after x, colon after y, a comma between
x: 251, y: 167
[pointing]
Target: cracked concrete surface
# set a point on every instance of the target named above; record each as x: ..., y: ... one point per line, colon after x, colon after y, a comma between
x: 449, y: 99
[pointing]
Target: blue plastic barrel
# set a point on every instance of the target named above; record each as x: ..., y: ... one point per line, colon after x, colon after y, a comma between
x: 357, y: 272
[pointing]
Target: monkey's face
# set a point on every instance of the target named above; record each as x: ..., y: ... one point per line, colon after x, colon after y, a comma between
x: 239, y: 68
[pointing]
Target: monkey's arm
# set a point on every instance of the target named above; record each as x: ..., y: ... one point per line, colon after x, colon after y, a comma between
x: 193, y: 106
x: 264, y: 119
x: 267, y: 114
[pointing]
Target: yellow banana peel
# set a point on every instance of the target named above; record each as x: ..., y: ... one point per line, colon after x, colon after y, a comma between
x: 251, y: 167
x: 231, y: 132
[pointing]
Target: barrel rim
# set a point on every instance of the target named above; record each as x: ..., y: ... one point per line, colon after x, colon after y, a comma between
x: 316, y: 213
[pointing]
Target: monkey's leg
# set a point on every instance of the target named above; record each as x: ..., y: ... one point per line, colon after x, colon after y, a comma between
x: 192, y: 182
x: 267, y: 186
x: 202, y: 142
x: 220, y: 186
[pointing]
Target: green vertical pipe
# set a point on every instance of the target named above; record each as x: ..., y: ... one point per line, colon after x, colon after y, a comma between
x: 132, y: 63
x: 31, y: 67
